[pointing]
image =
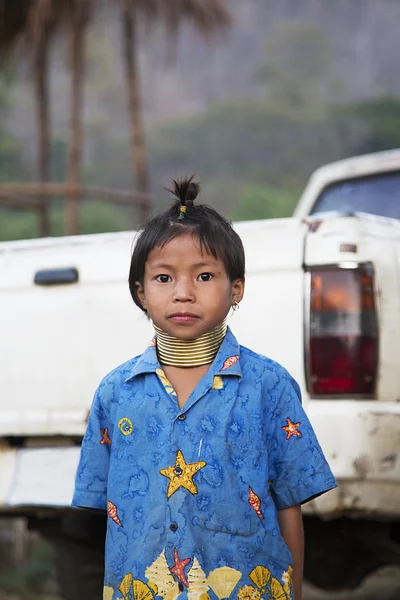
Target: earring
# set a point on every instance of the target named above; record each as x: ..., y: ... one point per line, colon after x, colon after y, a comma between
x: 235, y: 306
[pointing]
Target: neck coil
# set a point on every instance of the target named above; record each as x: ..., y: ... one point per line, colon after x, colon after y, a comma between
x: 196, y: 352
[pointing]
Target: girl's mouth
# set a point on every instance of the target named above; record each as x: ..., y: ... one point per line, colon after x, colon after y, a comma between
x: 183, y: 318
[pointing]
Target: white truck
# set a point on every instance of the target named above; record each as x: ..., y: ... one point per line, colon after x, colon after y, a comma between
x: 325, y: 286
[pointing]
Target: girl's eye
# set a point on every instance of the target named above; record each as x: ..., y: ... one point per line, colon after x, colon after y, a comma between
x: 163, y: 278
x: 205, y: 277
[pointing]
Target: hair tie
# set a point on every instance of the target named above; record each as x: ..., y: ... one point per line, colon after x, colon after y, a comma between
x: 182, y: 212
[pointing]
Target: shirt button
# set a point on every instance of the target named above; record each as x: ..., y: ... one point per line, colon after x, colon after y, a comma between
x: 174, y: 527
x: 182, y: 417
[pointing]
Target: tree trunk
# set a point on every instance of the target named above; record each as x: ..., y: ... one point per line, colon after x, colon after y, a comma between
x: 77, y: 32
x: 139, y: 154
x: 41, y: 71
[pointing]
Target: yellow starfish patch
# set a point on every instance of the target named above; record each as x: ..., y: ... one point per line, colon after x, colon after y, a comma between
x: 181, y: 475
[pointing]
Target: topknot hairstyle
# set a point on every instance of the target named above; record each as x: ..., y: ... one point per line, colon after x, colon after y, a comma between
x: 186, y: 190
x: 215, y: 234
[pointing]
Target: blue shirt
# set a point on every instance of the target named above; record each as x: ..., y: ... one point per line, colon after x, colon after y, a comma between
x: 192, y: 494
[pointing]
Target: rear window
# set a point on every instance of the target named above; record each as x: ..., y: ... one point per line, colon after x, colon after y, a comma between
x: 377, y: 195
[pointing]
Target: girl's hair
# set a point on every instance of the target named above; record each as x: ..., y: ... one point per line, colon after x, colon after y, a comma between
x: 215, y: 234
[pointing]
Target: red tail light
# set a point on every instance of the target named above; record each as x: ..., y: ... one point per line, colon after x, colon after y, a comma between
x: 343, y: 332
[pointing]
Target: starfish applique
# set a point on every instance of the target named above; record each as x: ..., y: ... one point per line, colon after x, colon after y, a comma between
x: 179, y: 568
x: 104, y: 436
x: 291, y: 429
x: 112, y: 512
x: 181, y: 475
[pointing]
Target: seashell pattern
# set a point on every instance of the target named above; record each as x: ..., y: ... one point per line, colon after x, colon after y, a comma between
x: 223, y: 581
x: 260, y: 576
x: 141, y: 591
x: 248, y: 592
x: 197, y: 581
x: 160, y: 576
x: 125, y: 586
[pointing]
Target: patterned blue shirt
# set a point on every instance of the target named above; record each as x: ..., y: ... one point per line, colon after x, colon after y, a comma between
x: 192, y: 494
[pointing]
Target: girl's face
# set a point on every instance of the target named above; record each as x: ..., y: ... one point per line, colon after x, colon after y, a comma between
x: 187, y: 292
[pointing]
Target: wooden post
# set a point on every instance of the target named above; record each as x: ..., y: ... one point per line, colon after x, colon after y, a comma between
x: 138, y: 146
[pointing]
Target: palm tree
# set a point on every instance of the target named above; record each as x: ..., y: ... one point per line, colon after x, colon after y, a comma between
x: 31, y: 24
x: 42, y: 20
x: 208, y: 16
x: 78, y: 17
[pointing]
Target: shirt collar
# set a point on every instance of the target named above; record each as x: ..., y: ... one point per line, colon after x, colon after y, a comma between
x: 225, y: 363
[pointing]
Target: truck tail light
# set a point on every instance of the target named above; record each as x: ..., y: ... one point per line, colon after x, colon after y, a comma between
x: 343, y: 332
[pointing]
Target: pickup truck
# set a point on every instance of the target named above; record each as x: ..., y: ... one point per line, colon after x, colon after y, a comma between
x: 325, y: 286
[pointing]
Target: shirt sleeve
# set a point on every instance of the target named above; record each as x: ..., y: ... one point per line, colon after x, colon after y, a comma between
x: 299, y: 470
x: 92, y: 473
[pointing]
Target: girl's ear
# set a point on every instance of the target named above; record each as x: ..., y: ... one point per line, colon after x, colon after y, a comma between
x: 237, y: 290
x: 140, y: 294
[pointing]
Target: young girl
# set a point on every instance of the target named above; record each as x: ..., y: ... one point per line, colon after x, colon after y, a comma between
x: 199, y: 448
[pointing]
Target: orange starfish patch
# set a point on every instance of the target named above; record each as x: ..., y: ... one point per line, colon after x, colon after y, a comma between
x: 113, y: 513
x: 179, y: 568
x: 291, y: 429
x: 232, y: 360
x: 104, y: 436
x: 255, y: 503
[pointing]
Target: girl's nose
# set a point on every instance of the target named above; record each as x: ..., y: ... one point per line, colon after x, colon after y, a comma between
x: 183, y: 292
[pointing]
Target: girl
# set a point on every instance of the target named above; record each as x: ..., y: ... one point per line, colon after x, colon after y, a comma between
x: 198, y: 448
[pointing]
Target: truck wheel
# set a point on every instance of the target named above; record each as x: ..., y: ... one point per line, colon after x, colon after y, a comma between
x: 339, y: 554
x: 78, y: 539
x: 80, y: 570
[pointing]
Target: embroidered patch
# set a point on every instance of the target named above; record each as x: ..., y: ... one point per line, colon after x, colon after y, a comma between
x: 125, y: 426
x: 218, y: 383
x: 113, y: 513
x: 104, y: 436
x: 255, y: 503
x: 165, y: 381
x: 291, y: 429
x: 232, y: 360
x: 179, y: 568
x: 181, y: 475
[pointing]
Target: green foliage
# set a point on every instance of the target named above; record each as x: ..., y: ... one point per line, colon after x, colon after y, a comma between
x: 264, y: 202
x: 297, y: 63
x: 10, y: 154
x: 246, y: 140
x: 94, y: 217
x: 377, y: 121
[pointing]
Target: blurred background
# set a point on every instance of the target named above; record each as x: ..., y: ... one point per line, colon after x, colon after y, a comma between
x: 252, y: 96
x: 102, y: 103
